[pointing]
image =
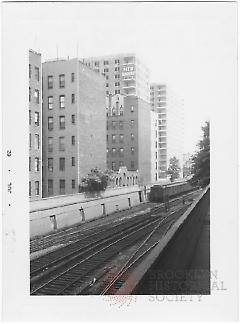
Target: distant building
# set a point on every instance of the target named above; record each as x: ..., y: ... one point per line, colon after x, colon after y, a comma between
x: 170, y: 125
x: 74, y: 125
x: 132, y: 136
x: 124, y: 74
x: 35, y: 126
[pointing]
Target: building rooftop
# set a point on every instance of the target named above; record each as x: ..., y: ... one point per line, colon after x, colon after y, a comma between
x: 34, y: 52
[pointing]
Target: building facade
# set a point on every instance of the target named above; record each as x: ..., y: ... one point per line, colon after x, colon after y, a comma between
x: 74, y: 125
x: 124, y: 74
x: 131, y: 136
x: 35, y: 126
x: 169, y: 108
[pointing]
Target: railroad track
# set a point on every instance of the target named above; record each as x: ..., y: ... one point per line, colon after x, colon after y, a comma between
x: 65, y: 236
x: 75, y: 274
x: 72, y: 250
x: 117, y: 280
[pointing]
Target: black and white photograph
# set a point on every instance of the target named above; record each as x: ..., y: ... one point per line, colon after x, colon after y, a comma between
x: 120, y: 160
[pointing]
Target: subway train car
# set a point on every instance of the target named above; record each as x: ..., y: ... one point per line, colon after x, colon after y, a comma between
x: 159, y: 193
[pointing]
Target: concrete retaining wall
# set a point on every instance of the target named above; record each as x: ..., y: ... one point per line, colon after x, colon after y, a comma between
x: 54, y: 213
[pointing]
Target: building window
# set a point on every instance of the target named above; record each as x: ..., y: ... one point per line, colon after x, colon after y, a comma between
x: 107, y: 151
x: 50, y: 144
x: 73, y: 119
x: 73, y: 98
x: 62, y: 81
x: 30, y: 189
x: 30, y: 117
x: 73, y: 161
x: 29, y: 94
x: 61, y: 101
x: 29, y: 164
x: 96, y: 63
x: 117, y: 76
x: 132, y: 137
x: 36, y: 118
x: 37, y: 75
x: 62, y: 186
x: 156, y: 155
x: 113, y: 138
x: 37, y: 188
x: 132, y: 165
x: 113, y: 124
x: 114, y: 151
x: 73, y: 140
x: 117, y: 91
x: 132, y: 150
x: 30, y: 140
x: 121, y: 138
x: 117, y: 61
x: 107, y: 92
x: 121, y: 111
x: 72, y: 77
x: 117, y: 84
x: 73, y: 184
x: 37, y: 141
x: 132, y: 123
x: 50, y: 102
x: 117, y: 69
x: 107, y: 77
x: 121, y: 124
x: 113, y: 165
x: 105, y: 70
x: 121, y: 151
x: 36, y: 95
x: 62, y: 122
x: 114, y: 112
x: 50, y: 164
x: 132, y: 109
x: 61, y: 143
x: 50, y: 82
x: 106, y: 84
x: 105, y: 62
x: 36, y: 164
x: 30, y: 71
x: 62, y: 164
x: 50, y: 187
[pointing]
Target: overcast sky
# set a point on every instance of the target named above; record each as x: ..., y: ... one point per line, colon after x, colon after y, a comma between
x: 187, y: 45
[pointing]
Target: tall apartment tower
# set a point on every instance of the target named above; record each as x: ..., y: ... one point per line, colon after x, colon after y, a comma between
x: 124, y: 74
x: 35, y: 125
x: 132, y: 136
x: 74, y: 125
x: 170, y: 125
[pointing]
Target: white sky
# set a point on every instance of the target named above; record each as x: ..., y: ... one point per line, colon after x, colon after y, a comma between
x: 188, y: 45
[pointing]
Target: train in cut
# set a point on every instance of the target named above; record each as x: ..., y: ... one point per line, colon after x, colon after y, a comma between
x: 161, y: 193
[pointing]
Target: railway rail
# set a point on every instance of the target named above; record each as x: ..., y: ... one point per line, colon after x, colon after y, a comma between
x: 68, y: 268
x: 66, y: 236
x: 96, y: 255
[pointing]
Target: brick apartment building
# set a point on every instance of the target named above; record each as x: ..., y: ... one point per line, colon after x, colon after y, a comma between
x: 132, y: 136
x: 74, y: 125
x: 35, y: 126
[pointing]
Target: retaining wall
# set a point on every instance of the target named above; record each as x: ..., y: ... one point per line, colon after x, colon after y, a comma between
x: 54, y: 213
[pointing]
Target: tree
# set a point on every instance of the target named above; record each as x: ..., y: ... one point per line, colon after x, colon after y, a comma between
x: 201, y: 160
x: 174, y: 168
x: 96, y: 180
x: 187, y: 168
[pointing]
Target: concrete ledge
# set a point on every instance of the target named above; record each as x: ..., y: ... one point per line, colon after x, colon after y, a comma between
x: 164, y: 269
